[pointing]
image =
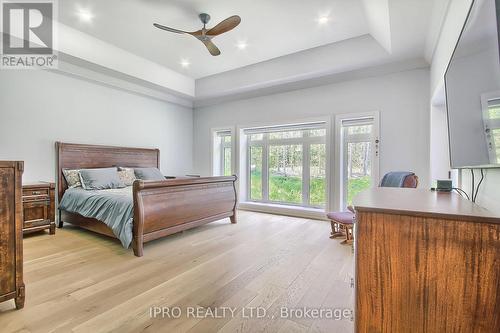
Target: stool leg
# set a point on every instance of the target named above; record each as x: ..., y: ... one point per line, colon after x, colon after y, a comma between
x: 337, y: 230
x: 348, y: 235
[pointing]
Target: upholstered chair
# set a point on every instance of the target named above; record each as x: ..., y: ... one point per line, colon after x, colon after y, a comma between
x: 343, y: 222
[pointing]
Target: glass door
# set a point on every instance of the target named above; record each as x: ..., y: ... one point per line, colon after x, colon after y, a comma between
x: 359, y: 149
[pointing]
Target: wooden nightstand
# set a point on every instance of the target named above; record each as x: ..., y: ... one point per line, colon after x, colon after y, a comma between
x: 39, y: 207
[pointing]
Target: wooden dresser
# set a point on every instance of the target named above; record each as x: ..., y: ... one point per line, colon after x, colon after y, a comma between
x: 38, y: 207
x: 11, y: 233
x: 425, y: 262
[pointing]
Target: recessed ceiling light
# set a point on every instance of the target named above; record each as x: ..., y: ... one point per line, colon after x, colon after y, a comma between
x: 324, y: 19
x: 185, y: 63
x: 85, y: 15
x: 242, y: 45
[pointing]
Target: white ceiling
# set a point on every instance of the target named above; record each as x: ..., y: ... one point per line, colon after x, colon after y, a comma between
x: 286, y: 45
x: 272, y: 28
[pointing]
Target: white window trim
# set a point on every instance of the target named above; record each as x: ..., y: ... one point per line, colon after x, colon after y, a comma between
x: 242, y: 170
x: 219, y: 159
x: 338, y: 185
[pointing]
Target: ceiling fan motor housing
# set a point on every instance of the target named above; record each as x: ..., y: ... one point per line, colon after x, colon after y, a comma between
x: 204, y: 17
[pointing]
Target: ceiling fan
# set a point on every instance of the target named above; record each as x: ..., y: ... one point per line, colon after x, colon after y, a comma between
x: 205, y: 35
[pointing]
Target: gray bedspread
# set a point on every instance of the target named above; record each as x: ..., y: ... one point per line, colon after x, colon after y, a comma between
x: 113, y: 207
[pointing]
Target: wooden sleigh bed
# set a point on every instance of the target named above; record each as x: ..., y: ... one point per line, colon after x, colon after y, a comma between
x: 161, y: 208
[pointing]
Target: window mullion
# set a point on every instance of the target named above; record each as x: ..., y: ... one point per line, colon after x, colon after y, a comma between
x: 345, y: 180
x: 265, y: 168
x: 221, y: 161
x: 249, y: 173
x: 306, y: 174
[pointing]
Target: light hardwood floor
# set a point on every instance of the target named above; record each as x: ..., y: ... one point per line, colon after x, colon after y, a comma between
x: 79, y: 281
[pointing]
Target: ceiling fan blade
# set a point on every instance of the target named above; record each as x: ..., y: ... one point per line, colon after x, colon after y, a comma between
x: 226, y: 25
x: 214, y: 50
x: 162, y: 27
x: 197, y: 34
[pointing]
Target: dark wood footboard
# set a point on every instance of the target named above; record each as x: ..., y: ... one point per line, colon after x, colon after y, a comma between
x: 165, y: 207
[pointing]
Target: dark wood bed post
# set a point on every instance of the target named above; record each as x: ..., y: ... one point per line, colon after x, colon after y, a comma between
x: 59, y: 182
x: 60, y: 222
x: 234, y: 217
x: 138, y: 226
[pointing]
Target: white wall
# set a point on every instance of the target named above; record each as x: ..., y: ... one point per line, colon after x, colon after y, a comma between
x: 439, y: 148
x: 38, y: 108
x: 452, y: 26
x: 402, y: 100
x: 489, y: 194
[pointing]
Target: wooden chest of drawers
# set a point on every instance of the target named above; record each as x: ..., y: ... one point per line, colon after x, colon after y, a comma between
x: 426, y: 262
x: 11, y: 234
x: 38, y: 207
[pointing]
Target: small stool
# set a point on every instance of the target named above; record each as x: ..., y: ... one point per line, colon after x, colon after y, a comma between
x: 342, y: 225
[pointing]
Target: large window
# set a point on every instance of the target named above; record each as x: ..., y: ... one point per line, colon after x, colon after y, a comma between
x: 222, y: 159
x: 287, y: 165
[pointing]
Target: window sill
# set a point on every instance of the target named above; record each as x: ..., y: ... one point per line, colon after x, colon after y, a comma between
x: 296, y: 211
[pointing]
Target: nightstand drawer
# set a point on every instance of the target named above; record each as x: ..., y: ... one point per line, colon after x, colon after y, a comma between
x: 37, y: 211
x: 36, y: 198
x: 29, y: 192
x: 35, y: 223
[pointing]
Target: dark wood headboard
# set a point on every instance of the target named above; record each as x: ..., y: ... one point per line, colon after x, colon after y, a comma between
x: 77, y: 156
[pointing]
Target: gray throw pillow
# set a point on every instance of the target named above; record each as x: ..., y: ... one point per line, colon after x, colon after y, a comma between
x: 148, y: 174
x: 100, y: 179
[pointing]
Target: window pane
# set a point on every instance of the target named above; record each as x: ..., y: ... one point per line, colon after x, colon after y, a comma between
x: 285, y: 135
x: 496, y: 142
x: 494, y: 109
x: 226, y: 139
x: 256, y: 137
x: 494, y: 113
x: 227, y: 161
x: 362, y: 129
x: 256, y: 173
x: 358, y: 168
x: 317, y: 185
x: 285, y: 173
x: 317, y: 132
x: 496, y: 137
